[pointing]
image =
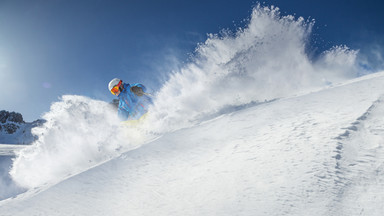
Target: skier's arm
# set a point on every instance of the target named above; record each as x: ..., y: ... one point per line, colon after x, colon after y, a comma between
x: 138, y: 89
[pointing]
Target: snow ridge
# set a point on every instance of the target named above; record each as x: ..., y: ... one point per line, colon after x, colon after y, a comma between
x: 360, y: 164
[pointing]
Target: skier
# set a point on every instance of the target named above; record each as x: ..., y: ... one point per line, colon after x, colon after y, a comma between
x: 133, y: 101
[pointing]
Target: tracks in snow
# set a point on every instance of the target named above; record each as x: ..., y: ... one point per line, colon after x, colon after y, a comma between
x: 359, y: 169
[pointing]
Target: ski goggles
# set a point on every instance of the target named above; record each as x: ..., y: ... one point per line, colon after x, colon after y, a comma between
x: 116, y: 88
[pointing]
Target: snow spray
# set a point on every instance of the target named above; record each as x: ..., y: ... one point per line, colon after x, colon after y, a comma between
x: 265, y: 60
x: 79, y: 133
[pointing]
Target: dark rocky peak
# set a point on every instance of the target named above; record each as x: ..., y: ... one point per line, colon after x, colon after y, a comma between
x: 10, y: 117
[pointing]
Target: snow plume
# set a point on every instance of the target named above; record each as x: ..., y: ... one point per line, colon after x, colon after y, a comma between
x: 339, y: 63
x: 265, y: 60
x: 79, y: 133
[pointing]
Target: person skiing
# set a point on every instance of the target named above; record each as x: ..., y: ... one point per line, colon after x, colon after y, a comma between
x: 133, y: 101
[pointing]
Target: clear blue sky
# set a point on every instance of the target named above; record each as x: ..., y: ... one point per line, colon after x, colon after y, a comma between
x: 53, y: 47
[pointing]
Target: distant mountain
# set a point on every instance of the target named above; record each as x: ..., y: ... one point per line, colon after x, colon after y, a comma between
x: 14, y: 130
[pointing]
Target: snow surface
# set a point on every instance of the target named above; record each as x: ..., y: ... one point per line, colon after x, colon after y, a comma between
x: 9, y: 149
x: 250, y: 126
x: 315, y: 154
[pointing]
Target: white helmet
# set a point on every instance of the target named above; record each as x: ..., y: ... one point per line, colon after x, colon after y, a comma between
x: 113, y: 83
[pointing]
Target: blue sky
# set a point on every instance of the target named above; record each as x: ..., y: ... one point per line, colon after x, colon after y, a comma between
x: 49, y: 48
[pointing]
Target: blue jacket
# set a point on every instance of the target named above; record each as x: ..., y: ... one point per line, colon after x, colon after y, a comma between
x: 131, y: 106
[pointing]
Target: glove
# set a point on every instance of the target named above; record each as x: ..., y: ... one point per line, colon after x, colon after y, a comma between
x: 137, y: 91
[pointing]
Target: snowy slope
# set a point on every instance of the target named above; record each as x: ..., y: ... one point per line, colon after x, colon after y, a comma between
x: 316, y: 154
x: 10, y: 150
x: 251, y: 125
